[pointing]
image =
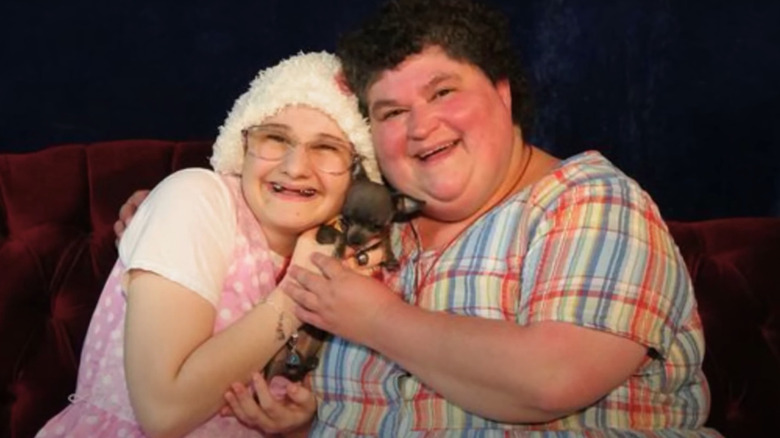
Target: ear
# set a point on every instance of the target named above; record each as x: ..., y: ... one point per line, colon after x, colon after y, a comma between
x: 504, y: 92
x: 406, y: 207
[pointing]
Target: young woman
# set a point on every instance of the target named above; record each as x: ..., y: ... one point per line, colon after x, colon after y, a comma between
x: 193, y: 303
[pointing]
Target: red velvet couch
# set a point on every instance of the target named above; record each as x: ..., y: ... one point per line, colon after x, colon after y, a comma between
x: 57, y: 208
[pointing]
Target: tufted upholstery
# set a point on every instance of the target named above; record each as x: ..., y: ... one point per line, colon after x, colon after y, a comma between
x: 57, y: 208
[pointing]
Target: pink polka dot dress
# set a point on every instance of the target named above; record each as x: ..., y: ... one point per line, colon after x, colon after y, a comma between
x: 101, y: 406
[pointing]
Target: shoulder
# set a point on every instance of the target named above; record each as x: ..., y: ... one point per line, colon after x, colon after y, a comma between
x: 189, y: 189
x: 194, y: 180
x: 588, y: 177
x: 190, y: 202
x: 185, y: 230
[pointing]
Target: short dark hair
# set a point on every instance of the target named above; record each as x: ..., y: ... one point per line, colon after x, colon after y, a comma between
x: 466, y: 30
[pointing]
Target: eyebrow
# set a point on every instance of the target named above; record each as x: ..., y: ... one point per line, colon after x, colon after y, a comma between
x: 319, y: 135
x: 335, y: 138
x: 438, y: 79
x: 272, y: 125
x: 430, y: 85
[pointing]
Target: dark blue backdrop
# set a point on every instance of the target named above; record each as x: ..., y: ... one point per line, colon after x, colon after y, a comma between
x: 682, y: 95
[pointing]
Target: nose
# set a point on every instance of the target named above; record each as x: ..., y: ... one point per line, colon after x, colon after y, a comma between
x: 296, y: 162
x: 422, y: 121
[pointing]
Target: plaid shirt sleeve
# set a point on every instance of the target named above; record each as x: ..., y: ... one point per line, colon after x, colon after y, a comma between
x: 600, y: 256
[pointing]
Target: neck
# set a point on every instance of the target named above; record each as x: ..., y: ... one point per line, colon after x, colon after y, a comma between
x: 527, y: 166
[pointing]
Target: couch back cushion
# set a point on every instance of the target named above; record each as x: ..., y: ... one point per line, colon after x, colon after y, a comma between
x: 735, y: 267
x: 57, y: 210
x: 58, y: 206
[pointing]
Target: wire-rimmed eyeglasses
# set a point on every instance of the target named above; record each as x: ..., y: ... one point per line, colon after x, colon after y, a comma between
x: 330, y: 155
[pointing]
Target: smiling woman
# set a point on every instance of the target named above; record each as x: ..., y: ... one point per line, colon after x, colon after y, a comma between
x: 290, y: 188
x: 212, y: 248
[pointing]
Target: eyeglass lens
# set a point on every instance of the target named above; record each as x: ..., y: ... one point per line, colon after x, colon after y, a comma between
x: 327, y: 155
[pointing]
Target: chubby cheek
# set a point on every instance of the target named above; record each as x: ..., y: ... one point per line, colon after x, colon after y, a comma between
x: 336, y: 195
x: 251, y: 176
x: 390, y: 148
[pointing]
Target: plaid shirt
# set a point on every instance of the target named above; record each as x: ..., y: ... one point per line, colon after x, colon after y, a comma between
x: 584, y: 245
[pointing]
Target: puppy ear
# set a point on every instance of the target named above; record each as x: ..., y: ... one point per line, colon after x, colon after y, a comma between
x: 359, y: 172
x: 406, y: 207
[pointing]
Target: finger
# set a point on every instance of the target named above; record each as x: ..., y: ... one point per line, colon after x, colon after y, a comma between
x: 247, y: 407
x: 300, y: 395
x: 329, y: 266
x: 138, y: 197
x: 126, y: 211
x: 307, y: 316
x: 234, y: 406
x: 119, y: 229
x: 306, y: 287
x: 226, y: 411
x: 263, y: 395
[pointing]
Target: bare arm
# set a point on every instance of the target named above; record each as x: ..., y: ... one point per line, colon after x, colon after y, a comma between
x: 495, y: 369
x: 503, y: 371
x: 177, y: 372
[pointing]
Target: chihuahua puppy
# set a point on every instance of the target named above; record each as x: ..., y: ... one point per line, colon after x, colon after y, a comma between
x: 368, y: 211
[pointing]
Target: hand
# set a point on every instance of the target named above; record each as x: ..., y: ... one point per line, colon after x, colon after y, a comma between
x: 339, y: 301
x: 286, y: 410
x: 306, y: 245
x: 127, y: 211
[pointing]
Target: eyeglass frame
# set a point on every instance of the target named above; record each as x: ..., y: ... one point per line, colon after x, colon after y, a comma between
x: 355, y: 159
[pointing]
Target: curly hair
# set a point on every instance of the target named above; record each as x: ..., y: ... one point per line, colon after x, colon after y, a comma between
x: 466, y: 30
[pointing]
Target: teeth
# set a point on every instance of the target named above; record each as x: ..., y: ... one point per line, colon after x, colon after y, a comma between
x: 278, y: 188
x: 439, y: 149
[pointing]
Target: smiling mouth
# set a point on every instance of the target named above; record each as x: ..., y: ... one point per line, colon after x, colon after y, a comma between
x: 428, y: 154
x: 278, y: 188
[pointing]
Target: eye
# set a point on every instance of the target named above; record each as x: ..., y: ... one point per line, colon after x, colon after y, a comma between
x: 442, y: 92
x: 278, y: 138
x: 390, y: 114
x: 325, y: 147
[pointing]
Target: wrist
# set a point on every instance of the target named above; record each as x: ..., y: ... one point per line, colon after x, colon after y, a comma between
x: 384, y: 322
x: 284, y: 309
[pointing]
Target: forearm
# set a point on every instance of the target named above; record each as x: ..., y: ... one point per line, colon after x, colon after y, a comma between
x: 498, y: 369
x: 172, y: 396
x: 466, y: 360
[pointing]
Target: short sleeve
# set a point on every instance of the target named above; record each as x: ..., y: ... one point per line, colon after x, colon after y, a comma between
x: 185, y: 232
x: 603, y: 258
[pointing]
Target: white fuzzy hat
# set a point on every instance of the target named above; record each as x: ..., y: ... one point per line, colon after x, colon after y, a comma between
x: 312, y: 79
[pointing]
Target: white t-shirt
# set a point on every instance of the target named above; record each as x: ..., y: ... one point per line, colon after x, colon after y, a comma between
x: 192, y: 235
